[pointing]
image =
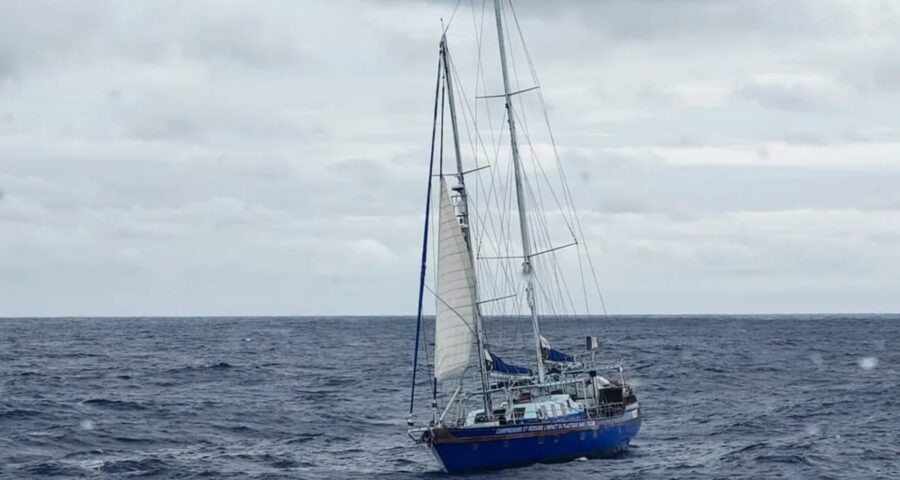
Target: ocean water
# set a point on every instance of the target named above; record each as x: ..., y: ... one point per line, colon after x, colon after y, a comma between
x: 267, y: 398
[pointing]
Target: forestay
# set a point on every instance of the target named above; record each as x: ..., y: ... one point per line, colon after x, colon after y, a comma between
x: 455, y: 312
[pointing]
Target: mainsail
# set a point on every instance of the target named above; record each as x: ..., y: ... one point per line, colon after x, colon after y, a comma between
x: 455, y: 313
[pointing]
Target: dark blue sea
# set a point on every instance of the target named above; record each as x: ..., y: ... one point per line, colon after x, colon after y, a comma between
x: 311, y: 398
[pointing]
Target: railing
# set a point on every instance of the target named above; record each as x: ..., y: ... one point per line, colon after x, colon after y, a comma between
x: 606, y: 410
x: 569, y: 375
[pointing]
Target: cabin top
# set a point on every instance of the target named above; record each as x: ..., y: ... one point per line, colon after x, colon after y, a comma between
x: 525, y: 410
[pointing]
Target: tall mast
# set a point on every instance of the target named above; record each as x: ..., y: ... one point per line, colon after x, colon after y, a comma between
x: 520, y: 196
x: 464, y: 211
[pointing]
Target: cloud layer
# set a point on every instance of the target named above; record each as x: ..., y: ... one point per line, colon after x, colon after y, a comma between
x: 213, y: 158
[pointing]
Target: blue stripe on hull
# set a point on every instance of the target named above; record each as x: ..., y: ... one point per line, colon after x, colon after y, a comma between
x: 547, y: 447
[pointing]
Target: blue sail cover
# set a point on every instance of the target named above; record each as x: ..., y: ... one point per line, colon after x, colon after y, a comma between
x: 557, y: 356
x: 498, y: 365
x: 553, y: 355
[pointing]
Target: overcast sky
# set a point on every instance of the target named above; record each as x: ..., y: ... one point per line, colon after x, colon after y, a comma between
x: 261, y: 158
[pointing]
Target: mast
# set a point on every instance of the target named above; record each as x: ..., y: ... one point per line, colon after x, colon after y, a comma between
x: 464, y: 211
x: 520, y: 196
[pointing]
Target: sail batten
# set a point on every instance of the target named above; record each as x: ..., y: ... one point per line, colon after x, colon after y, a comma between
x: 455, y: 310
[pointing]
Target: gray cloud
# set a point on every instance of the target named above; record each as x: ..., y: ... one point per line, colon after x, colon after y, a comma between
x: 800, y: 93
x: 227, y: 158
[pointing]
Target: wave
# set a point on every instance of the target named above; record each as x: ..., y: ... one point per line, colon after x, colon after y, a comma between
x: 18, y: 413
x: 53, y: 469
x: 106, y: 403
x: 145, y: 467
x: 301, y: 438
x: 201, y: 368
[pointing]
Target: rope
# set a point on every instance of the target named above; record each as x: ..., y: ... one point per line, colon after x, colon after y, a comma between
x: 412, y: 393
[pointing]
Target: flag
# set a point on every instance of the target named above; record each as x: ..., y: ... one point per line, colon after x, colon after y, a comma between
x: 593, y: 342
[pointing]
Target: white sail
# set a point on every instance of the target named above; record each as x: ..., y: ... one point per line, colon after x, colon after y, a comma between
x: 455, y: 313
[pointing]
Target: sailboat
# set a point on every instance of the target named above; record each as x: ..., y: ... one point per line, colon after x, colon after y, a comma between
x: 499, y: 415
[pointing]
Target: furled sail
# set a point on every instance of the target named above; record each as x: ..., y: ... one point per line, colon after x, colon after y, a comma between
x: 497, y: 365
x: 455, y: 313
x: 553, y: 355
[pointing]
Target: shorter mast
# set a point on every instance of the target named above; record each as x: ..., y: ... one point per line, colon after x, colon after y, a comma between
x: 520, y: 197
x: 464, y: 210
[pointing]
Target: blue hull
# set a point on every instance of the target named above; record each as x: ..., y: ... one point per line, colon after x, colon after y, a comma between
x: 465, y: 450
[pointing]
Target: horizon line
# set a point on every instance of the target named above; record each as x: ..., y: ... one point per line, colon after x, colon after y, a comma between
x: 412, y: 316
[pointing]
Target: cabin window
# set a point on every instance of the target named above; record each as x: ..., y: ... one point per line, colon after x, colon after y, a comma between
x: 518, y: 413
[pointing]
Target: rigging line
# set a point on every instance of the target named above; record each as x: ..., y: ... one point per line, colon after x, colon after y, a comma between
x: 564, y: 292
x: 533, y: 255
x: 551, y: 265
x: 515, y: 71
x: 483, y: 76
x: 543, y: 172
x: 526, y: 132
x: 503, y: 95
x: 492, y: 227
x: 563, y: 287
x: 479, y: 74
x: 505, y: 220
x: 542, y: 232
x: 516, y: 280
x: 451, y: 309
x: 502, y: 271
x: 479, y: 70
x: 412, y: 393
x: 497, y: 246
x: 504, y: 236
x: 452, y: 15
x: 434, y: 254
x: 587, y: 305
x: 549, y: 306
x: 566, y: 189
x: 468, y: 110
x: 451, y: 72
x: 476, y: 169
x: 541, y: 269
x: 434, y: 383
x: 486, y: 207
x: 487, y: 218
x: 497, y: 299
x: 441, y: 163
x: 540, y: 168
x: 490, y: 195
x: 467, y: 113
